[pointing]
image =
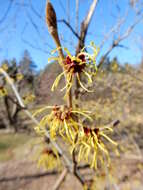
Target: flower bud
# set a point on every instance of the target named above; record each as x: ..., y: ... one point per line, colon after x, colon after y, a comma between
x: 51, y: 18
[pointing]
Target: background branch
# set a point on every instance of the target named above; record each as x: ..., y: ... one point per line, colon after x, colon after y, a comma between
x: 116, y: 42
x: 84, y: 26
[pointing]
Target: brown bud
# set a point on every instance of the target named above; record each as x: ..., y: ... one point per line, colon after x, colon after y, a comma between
x: 51, y: 21
x: 51, y: 17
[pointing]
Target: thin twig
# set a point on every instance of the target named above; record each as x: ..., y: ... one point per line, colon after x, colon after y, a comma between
x: 7, y: 11
x: 84, y: 26
x: 27, y: 177
x: 70, y: 27
x: 60, y: 179
x: 117, y: 41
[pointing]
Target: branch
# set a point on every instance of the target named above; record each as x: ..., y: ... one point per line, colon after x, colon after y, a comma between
x: 116, y: 43
x: 7, y: 11
x: 35, y: 47
x: 77, y: 15
x: 84, y: 26
x: 27, y: 177
x: 70, y: 27
x: 37, y: 30
x: 60, y: 151
x: 60, y: 179
x: 15, y: 102
x: 114, y: 29
x: 32, y: 45
x: 75, y: 167
x: 35, y: 11
x: 83, y: 31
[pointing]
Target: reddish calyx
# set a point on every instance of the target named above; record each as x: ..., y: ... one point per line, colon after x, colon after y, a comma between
x: 87, y: 131
x: 49, y: 152
x: 74, y: 65
x: 62, y: 113
x: 90, y: 131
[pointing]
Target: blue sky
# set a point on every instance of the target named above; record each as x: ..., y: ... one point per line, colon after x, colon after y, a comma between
x: 17, y: 32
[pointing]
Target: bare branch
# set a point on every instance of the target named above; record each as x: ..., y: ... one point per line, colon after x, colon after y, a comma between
x: 84, y: 26
x: 60, y: 179
x: 15, y: 102
x: 35, y: 11
x: 68, y: 11
x: 114, y: 29
x: 83, y: 31
x: 77, y: 16
x: 116, y: 43
x: 35, y: 47
x: 32, y: 45
x: 7, y: 11
x: 27, y: 177
x: 70, y: 27
x: 33, y: 23
x: 63, y: 8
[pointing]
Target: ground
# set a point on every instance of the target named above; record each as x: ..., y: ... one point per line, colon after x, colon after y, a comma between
x: 20, y: 172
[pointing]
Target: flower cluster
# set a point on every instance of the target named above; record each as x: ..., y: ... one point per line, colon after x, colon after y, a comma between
x: 67, y: 123
x: 49, y: 159
x: 90, y: 145
x: 63, y: 121
x: 28, y: 98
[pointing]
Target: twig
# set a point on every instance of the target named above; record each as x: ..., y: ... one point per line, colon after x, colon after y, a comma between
x: 27, y: 177
x: 116, y: 42
x: 60, y: 179
x: 75, y: 168
x: 35, y: 11
x: 70, y: 27
x: 7, y: 11
x: 15, y: 102
x: 83, y: 31
x: 77, y: 16
x: 85, y: 25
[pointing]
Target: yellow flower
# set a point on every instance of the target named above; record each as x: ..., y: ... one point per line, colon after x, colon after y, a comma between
x: 91, y: 147
x: 19, y: 76
x: 3, y: 91
x: 28, y: 98
x: 61, y: 121
x: 76, y: 65
x: 4, y: 67
x: 49, y: 159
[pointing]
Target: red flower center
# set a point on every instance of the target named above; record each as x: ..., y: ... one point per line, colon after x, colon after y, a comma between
x: 74, y: 65
x: 87, y: 130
